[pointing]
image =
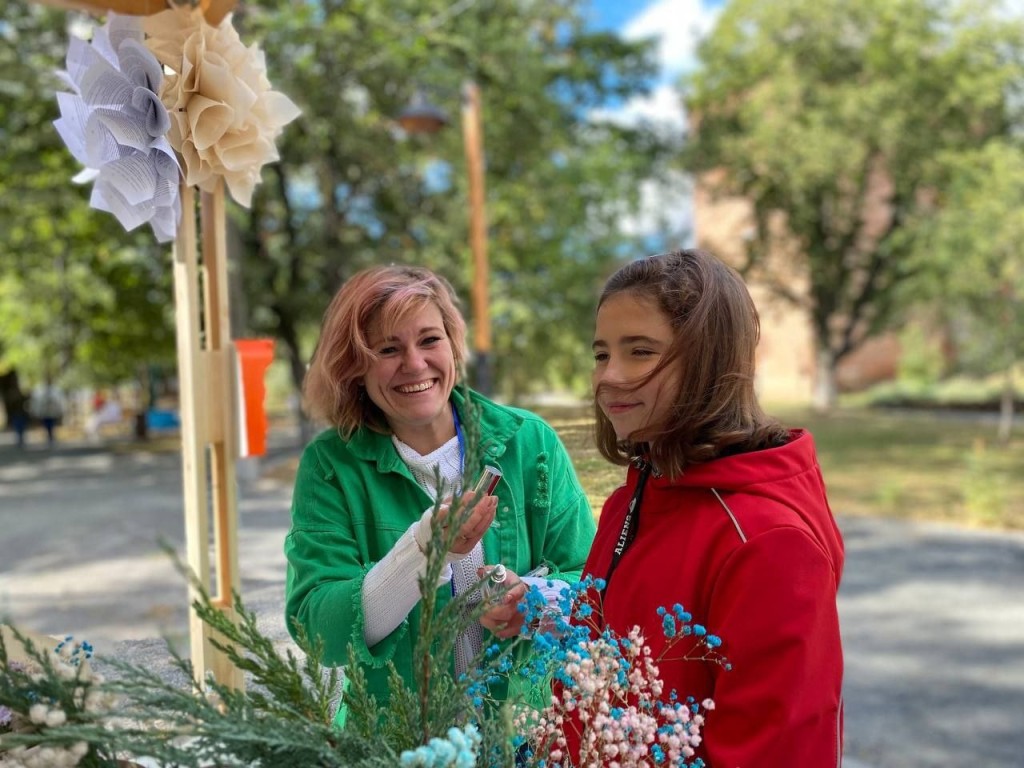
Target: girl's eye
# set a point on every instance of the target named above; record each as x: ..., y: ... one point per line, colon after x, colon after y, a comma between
x: 642, y: 352
x: 600, y: 357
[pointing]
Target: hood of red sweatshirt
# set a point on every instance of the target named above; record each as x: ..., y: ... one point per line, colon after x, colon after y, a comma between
x: 788, y: 475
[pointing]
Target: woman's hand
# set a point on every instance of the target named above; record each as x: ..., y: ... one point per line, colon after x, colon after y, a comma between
x: 503, y: 618
x: 476, y: 524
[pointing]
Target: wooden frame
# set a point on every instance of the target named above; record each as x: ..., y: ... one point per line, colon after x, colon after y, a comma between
x: 209, y: 429
x: 208, y: 419
x: 213, y: 10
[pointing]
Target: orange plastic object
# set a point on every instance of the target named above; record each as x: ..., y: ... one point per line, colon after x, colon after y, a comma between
x: 254, y: 356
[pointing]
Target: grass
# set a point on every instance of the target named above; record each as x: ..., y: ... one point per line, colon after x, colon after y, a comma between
x: 924, y: 466
x: 913, y: 465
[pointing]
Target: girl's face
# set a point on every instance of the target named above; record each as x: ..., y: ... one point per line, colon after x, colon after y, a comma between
x: 631, y: 337
x: 413, y: 376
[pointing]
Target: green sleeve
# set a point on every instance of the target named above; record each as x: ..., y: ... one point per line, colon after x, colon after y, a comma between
x: 570, y: 528
x: 323, y: 590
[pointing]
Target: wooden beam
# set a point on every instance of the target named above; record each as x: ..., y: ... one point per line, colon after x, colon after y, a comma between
x: 472, y: 133
x: 208, y: 420
x: 213, y: 10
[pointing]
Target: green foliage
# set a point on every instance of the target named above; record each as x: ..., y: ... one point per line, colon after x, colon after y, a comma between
x: 351, y: 190
x: 79, y: 297
x: 921, y: 356
x: 974, y: 250
x: 985, y: 490
x: 92, y: 302
x: 436, y: 698
x: 284, y: 717
x: 839, y: 121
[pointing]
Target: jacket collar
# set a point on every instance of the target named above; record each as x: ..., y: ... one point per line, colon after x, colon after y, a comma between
x: 497, y: 427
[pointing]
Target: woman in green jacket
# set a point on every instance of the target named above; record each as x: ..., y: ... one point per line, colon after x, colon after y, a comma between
x: 383, y: 375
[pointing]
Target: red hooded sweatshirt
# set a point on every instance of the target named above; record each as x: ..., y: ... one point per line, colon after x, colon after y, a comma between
x: 748, y: 545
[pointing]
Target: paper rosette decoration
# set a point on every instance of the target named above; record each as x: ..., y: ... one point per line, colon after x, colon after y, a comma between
x: 225, y: 116
x: 115, y: 125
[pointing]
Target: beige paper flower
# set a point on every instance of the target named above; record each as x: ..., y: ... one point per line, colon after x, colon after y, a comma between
x: 225, y: 117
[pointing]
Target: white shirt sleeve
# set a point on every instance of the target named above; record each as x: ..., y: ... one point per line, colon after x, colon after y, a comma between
x: 391, y: 588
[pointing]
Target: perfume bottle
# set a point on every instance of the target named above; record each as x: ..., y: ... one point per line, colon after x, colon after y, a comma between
x: 494, y: 582
x: 487, y: 481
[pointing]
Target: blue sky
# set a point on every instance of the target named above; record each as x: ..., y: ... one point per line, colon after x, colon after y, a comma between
x: 665, y: 218
x: 613, y: 14
x: 677, y: 25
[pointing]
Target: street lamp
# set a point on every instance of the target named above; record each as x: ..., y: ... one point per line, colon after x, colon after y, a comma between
x: 423, y: 117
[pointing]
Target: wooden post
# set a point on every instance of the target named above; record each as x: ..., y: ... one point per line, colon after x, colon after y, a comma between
x: 472, y: 134
x: 208, y: 413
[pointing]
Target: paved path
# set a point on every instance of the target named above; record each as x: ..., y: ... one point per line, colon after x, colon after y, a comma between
x: 933, y: 616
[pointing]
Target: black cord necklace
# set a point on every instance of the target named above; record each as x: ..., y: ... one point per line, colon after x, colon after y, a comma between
x: 630, y: 523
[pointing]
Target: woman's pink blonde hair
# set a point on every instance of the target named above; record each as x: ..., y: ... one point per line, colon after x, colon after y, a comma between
x: 386, y: 295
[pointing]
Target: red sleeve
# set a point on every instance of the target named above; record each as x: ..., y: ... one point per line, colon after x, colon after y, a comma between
x: 774, y: 606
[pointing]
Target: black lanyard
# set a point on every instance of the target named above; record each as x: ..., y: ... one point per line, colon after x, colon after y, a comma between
x: 630, y: 524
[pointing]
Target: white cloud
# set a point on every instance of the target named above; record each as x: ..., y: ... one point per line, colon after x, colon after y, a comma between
x: 679, y: 25
x: 661, y: 108
x: 666, y: 209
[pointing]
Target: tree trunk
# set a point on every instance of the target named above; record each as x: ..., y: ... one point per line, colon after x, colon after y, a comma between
x: 1006, y: 406
x: 297, y: 366
x: 826, y: 391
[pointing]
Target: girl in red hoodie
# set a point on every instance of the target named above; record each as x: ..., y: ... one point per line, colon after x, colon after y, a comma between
x: 729, y: 514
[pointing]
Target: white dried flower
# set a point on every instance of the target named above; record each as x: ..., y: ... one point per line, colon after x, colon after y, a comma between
x: 114, y: 123
x: 55, y: 717
x: 225, y: 116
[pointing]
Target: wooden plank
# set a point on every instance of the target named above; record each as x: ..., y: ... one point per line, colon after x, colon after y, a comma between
x: 222, y: 415
x: 213, y: 10
x: 192, y: 403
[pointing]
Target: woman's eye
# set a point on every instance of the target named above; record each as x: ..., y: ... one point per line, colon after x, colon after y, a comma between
x: 386, y: 351
x: 600, y: 357
x: 430, y: 341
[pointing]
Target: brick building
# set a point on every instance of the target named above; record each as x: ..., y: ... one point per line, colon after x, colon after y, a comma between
x: 786, y: 354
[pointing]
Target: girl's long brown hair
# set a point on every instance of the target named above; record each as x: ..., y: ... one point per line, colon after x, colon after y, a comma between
x: 716, y: 330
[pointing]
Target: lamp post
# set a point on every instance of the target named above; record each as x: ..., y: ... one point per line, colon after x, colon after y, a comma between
x: 422, y: 117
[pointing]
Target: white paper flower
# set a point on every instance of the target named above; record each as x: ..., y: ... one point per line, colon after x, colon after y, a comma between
x: 225, y: 116
x: 114, y: 123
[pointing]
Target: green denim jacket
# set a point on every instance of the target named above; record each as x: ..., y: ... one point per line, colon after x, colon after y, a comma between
x: 354, y: 499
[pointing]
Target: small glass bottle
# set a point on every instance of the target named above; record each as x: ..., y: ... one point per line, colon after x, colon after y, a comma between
x: 494, y: 583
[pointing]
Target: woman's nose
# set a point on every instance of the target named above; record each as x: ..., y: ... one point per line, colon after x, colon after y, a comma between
x: 413, y: 360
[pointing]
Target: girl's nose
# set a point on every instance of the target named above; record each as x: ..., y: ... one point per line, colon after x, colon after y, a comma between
x: 610, y: 373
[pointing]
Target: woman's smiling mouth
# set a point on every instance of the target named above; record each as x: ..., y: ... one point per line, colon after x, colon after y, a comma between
x: 412, y: 389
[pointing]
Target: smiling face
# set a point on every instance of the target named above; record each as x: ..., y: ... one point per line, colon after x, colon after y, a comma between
x: 631, y: 337
x: 412, y: 377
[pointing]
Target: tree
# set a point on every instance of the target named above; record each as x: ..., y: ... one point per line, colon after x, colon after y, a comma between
x: 351, y: 191
x: 80, y: 299
x: 975, y: 249
x: 837, y: 121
